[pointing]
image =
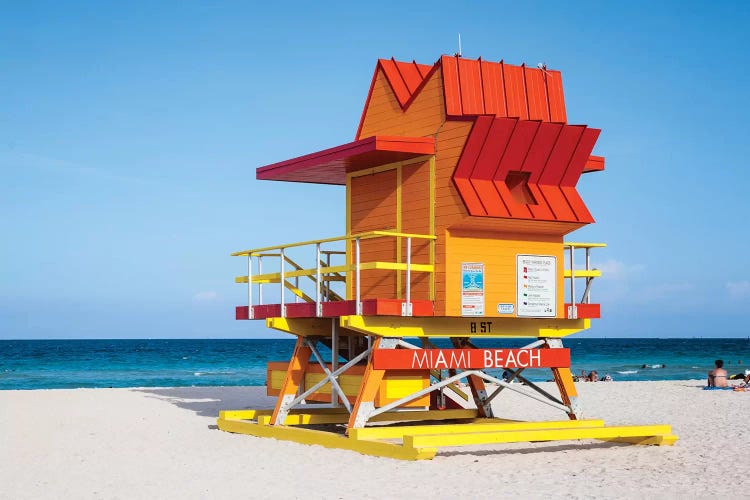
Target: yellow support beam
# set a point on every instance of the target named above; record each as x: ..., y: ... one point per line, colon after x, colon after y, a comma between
x: 311, y: 415
x: 301, y: 327
x: 473, y: 438
x: 326, y: 439
x: 253, y: 414
x: 395, y: 266
x: 664, y: 440
x: 582, y: 273
x: 396, y: 326
x: 399, y: 180
x: 365, y: 266
x: 575, y: 244
x: 432, y: 224
x: 398, y: 432
x: 349, y: 237
x: 391, y: 166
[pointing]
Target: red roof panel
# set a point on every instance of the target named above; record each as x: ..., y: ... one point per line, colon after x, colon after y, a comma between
x: 470, y: 83
x: 330, y: 166
x: 493, y: 89
x: 553, y: 155
x: 473, y: 87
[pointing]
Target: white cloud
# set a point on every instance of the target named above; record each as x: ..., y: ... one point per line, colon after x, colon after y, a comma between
x: 666, y: 290
x: 618, y: 270
x: 208, y: 296
x: 738, y: 289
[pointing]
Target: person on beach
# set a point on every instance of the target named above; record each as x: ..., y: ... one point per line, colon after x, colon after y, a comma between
x: 591, y: 377
x: 718, y: 376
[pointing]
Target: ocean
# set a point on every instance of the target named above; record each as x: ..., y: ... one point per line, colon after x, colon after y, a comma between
x: 55, y: 364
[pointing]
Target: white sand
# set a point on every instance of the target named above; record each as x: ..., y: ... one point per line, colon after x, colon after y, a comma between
x: 162, y: 443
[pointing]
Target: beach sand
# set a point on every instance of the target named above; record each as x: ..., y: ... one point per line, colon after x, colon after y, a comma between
x: 163, y: 443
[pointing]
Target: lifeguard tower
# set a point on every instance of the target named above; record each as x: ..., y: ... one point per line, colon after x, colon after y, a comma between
x: 460, y: 187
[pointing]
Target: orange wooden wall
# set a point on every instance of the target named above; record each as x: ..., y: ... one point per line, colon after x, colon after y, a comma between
x: 461, y: 238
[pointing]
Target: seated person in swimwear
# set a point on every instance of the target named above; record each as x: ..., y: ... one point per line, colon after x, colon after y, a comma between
x: 718, y: 376
x: 593, y: 376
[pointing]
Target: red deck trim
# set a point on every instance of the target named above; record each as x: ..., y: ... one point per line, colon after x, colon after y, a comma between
x: 331, y: 165
x: 371, y: 307
x: 589, y: 311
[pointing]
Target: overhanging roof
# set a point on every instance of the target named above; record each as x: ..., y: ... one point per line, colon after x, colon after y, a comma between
x: 330, y: 166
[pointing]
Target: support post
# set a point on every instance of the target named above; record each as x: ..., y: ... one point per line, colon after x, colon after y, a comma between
x: 318, y: 282
x: 249, y: 286
x: 365, y: 403
x: 295, y: 372
x: 564, y: 380
x: 476, y: 384
x: 406, y: 309
x: 573, y: 311
x: 260, y: 285
x: 281, y: 283
x: 334, y: 356
x: 587, y: 295
x: 357, y: 297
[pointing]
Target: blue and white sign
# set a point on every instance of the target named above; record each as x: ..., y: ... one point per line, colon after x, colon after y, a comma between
x: 506, y: 308
x: 472, y: 289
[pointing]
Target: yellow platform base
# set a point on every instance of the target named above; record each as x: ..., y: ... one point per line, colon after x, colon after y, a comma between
x: 421, y: 442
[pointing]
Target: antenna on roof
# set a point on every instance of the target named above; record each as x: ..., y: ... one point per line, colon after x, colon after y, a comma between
x: 459, y: 45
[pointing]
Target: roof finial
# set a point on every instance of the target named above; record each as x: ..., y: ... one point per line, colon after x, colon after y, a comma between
x: 458, y: 54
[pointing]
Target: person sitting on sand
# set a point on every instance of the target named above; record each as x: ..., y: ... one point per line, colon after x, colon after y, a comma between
x: 591, y: 377
x: 718, y: 376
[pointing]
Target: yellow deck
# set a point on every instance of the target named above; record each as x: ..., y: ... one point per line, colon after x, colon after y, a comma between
x: 422, y: 442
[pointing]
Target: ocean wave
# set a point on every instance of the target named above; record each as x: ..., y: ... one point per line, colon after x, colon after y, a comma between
x: 628, y: 372
x: 198, y: 374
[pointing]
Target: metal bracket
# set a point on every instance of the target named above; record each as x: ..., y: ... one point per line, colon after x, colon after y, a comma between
x: 572, y: 312
x: 406, y: 309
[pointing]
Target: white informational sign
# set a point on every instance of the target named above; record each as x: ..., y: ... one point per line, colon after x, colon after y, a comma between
x: 472, y: 289
x: 536, y: 279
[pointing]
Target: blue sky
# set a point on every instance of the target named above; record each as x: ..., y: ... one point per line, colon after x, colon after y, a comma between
x: 129, y: 135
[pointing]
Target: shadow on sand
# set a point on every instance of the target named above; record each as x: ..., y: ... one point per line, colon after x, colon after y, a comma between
x: 207, y: 401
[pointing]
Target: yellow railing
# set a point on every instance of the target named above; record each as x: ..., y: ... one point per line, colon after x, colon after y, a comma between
x: 323, y: 274
x: 588, y: 273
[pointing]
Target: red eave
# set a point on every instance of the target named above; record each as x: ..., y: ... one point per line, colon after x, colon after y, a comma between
x: 594, y: 164
x: 330, y: 166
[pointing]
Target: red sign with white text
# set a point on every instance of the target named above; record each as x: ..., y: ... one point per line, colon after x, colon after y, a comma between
x: 427, y: 359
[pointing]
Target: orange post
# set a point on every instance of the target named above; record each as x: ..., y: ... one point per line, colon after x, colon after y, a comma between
x: 564, y: 380
x: 292, y: 379
x: 367, y: 391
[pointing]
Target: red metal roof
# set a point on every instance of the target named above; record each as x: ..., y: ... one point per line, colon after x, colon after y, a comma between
x: 474, y: 87
x: 544, y: 159
x: 404, y: 78
x: 330, y: 166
